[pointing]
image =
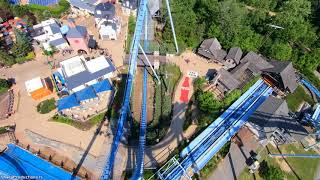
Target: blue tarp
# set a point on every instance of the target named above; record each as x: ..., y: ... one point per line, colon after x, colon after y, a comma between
x: 86, y: 93
x: 67, y: 102
x: 102, y: 86
x: 18, y: 162
x: 43, y: 2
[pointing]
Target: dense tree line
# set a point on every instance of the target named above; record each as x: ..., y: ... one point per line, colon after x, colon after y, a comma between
x: 250, y: 24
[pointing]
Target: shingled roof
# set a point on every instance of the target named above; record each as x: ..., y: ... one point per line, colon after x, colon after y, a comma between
x: 273, y: 114
x: 257, y: 59
x: 235, y: 54
x: 211, y: 49
x: 226, y: 79
x: 287, y: 73
x: 77, y: 31
x: 105, y: 11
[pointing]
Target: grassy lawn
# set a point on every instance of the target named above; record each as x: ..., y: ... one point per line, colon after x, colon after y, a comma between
x: 297, y: 97
x: 80, y: 125
x: 304, y: 168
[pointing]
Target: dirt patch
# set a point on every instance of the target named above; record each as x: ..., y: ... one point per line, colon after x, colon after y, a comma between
x: 283, y: 165
x: 137, y: 96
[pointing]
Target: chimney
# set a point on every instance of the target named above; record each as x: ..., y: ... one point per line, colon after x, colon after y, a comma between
x: 71, y: 23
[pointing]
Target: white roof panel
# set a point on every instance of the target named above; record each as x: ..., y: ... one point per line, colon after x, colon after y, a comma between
x: 33, y: 84
x: 73, y: 65
x: 97, y: 64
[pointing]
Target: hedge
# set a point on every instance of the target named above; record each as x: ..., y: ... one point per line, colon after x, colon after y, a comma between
x: 46, y: 106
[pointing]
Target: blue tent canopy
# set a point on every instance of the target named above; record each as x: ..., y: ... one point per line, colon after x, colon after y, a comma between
x: 67, y: 102
x: 86, y: 93
x: 102, y: 86
x: 64, y: 29
x: 18, y: 162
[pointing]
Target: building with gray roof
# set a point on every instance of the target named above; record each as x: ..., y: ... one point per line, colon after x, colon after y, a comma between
x: 84, y: 5
x: 224, y: 82
x: 282, y: 74
x: 272, y: 117
x: 234, y: 54
x: 105, y: 11
x: 256, y: 59
x: 211, y: 49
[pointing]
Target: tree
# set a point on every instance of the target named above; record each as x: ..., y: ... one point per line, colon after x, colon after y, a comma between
x: 189, y: 31
x: 280, y: 51
x: 22, y: 46
x: 5, y: 12
x: 4, y: 84
x: 6, y: 58
x: 207, y: 102
x: 310, y: 60
x: 270, y: 172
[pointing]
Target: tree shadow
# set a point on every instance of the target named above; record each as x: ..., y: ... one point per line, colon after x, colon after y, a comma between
x: 291, y: 168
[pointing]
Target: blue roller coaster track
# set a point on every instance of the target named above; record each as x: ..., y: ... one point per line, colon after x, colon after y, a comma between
x: 142, y: 136
x: 125, y: 104
x: 311, y: 87
x: 207, y: 144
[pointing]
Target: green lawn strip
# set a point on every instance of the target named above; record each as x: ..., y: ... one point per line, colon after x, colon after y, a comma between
x: 297, y: 97
x: 77, y: 124
x: 305, y: 168
x: 97, y: 119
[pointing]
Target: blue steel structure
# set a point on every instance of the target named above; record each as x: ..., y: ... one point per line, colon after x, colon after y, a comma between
x: 142, y: 135
x: 43, y: 2
x: 208, y: 143
x: 311, y: 87
x: 218, y: 122
x: 125, y: 104
x: 16, y: 162
x: 296, y: 155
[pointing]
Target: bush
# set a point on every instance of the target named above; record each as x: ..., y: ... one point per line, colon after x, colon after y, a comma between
x: 4, y: 85
x: 270, y: 172
x: 198, y: 83
x: 28, y: 57
x: 46, y: 106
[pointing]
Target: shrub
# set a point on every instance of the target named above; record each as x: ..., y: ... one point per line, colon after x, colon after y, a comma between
x: 198, y: 83
x: 46, y: 106
x: 270, y: 172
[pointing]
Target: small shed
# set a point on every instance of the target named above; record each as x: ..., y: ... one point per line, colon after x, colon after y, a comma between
x: 37, y: 88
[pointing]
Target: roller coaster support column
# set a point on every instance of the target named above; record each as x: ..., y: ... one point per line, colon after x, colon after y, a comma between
x: 172, y: 26
x: 154, y: 72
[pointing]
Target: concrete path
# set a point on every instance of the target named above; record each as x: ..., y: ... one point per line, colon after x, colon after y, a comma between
x: 232, y: 165
x: 235, y: 162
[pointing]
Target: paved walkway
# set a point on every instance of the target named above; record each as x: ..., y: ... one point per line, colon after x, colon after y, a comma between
x: 235, y: 162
